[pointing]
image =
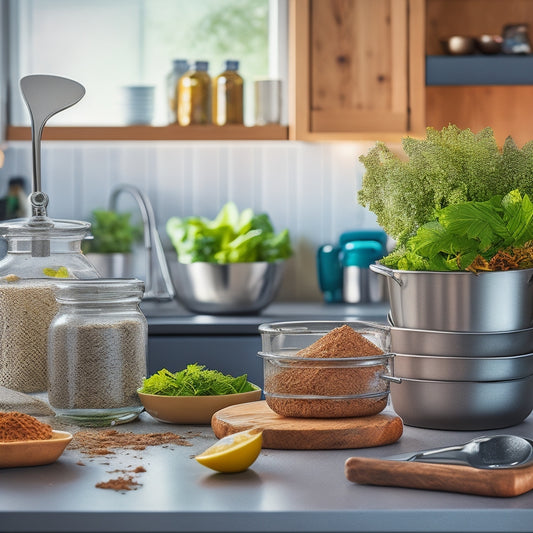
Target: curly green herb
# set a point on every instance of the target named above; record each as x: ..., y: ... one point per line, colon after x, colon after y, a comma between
x: 195, y: 380
x: 449, y: 167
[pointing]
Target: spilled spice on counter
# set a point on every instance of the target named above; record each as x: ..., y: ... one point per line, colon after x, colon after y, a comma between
x: 103, y: 442
x: 122, y: 482
x: 315, y: 379
x: 96, y: 443
x: 119, y: 483
x: 15, y: 426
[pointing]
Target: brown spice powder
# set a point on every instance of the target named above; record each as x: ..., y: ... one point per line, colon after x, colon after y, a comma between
x: 103, y: 442
x: 119, y: 483
x: 317, y: 380
x: 15, y: 426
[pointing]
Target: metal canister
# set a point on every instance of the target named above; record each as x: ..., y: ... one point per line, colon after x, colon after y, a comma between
x: 360, y: 284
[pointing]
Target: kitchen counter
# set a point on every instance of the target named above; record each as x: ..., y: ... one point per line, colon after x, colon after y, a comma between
x: 170, y: 318
x: 297, y: 491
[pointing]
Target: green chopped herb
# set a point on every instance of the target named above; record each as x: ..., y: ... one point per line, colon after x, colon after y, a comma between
x: 465, y: 232
x: 195, y: 380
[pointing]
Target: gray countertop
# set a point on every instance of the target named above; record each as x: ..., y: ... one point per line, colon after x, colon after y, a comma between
x: 298, y: 491
x: 170, y: 318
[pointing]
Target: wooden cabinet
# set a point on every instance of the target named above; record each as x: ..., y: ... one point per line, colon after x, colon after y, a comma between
x: 353, y: 74
x: 361, y: 69
x: 501, y: 95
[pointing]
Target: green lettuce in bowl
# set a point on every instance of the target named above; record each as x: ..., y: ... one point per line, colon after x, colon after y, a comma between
x: 232, y: 237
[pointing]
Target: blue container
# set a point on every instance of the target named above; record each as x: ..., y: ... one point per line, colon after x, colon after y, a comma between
x: 343, y: 269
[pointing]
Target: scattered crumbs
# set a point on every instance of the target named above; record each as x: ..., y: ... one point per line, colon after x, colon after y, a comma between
x: 119, y: 484
x: 103, y: 442
x: 80, y: 463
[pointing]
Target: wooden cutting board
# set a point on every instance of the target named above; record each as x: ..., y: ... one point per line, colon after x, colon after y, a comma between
x: 502, y: 483
x: 284, y: 433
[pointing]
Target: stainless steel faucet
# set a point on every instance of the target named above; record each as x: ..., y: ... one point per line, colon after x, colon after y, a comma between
x: 158, y: 283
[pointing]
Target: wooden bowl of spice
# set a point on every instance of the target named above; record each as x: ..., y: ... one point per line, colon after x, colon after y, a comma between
x: 326, y: 369
x: 26, y: 441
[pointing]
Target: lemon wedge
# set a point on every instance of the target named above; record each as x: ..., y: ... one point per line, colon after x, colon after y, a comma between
x: 233, y: 453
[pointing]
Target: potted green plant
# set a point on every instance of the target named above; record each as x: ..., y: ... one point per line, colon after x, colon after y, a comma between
x: 460, y: 210
x: 110, y: 249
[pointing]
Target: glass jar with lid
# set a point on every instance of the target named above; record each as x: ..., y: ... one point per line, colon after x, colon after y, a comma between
x: 97, y: 351
x: 39, y: 250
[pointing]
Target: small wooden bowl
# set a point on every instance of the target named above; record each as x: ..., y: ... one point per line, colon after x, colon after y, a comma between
x: 33, y: 452
x: 192, y: 409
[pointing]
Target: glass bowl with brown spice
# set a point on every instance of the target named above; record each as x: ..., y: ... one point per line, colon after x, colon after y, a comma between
x: 326, y: 369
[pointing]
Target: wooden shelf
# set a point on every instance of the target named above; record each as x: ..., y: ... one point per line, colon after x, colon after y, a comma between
x: 479, y: 70
x: 154, y: 133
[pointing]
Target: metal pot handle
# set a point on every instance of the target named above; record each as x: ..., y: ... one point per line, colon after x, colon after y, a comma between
x: 385, y: 271
x: 392, y: 379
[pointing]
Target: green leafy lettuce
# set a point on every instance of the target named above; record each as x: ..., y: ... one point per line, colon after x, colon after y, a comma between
x: 448, y: 167
x: 232, y: 237
x: 464, y: 232
x: 195, y: 380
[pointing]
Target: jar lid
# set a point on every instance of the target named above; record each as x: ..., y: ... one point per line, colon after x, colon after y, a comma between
x: 98, y: 290
x: 44, y: 227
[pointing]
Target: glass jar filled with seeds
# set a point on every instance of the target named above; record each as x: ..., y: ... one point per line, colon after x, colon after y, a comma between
x: 39, y: 251
x: 97, y: 351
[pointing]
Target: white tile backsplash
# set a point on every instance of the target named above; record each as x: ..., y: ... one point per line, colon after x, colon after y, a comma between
x: 310, y: 188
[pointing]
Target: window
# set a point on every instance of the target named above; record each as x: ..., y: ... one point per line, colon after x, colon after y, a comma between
x: 106, y: 44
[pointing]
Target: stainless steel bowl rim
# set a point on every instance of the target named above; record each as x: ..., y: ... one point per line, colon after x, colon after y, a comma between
x: 458, y: 359
x: 438, y: 382
x: 456, y: 333
x: 378, y: 267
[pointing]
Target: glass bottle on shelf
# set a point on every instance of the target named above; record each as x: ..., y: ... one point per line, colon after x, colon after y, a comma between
x: 179, y: 68
x: 194, y: 95
x: 39, y: 250
x: 227, y: 104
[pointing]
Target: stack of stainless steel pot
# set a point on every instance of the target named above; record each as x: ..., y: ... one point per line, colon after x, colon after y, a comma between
x: 463, y: 346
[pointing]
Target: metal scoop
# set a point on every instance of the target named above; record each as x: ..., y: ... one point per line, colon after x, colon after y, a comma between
x: 45, y: 96
x: 498, y: 451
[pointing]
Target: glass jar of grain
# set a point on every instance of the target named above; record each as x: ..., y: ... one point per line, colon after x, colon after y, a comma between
x: 97, y: 351
x: 39, y: 250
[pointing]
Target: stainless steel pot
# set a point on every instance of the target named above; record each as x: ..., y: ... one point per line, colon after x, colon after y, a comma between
x: 461, y: 343
x: 463, y: 368
x: 460, y: 301
x: 462, y: 405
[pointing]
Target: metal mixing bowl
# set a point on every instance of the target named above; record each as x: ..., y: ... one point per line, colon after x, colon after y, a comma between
x: 463, y: 368
x: 463, y: 405
x: 235, y: 288
x: 461, y: 343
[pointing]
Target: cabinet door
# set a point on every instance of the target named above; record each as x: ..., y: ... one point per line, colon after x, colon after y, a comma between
x: 350, y: 68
